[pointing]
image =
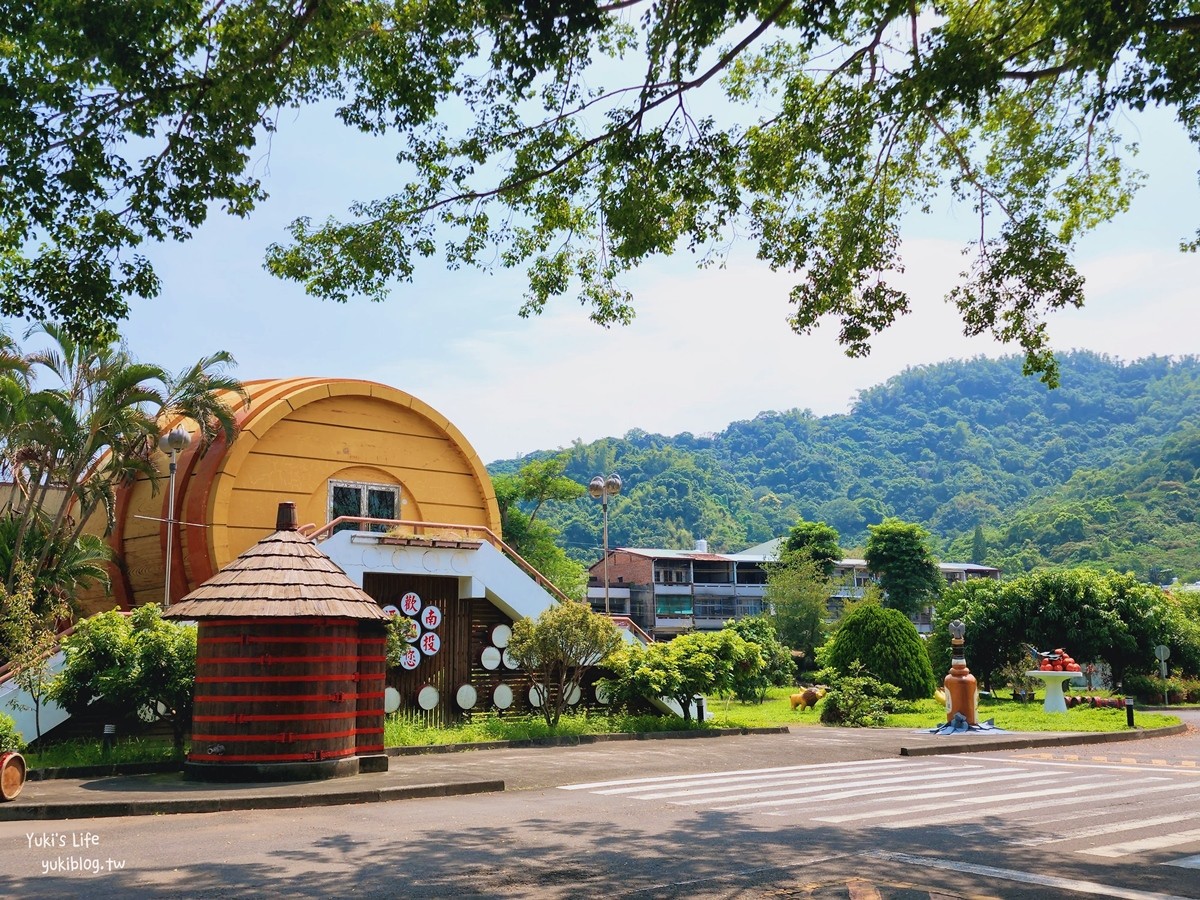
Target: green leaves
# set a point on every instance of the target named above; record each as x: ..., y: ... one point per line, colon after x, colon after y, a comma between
x: 67, y: 445
x: 886, y: 645
x: 1098, y: 617
x: 576, y: 141
x: 558, y: 648
x: 537, y: 482
x: 814, y: 541
x: 706, y: 663
x: 899, y: 553
x: 133, y: 662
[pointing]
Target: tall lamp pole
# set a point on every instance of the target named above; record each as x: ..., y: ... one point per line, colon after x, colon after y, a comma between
x: 601, y: 489
x: 173, y: 442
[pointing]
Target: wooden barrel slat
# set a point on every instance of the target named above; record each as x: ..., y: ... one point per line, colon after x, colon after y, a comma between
x: 268, y: 679
x: 340, y: 697
x: 245, y: 639
x: 312, y: 694
x: 372, y: 672
x: 240, y: 718
x: 307, y: 756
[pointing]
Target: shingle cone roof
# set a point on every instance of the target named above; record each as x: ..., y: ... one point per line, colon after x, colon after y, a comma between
x: 284, y: 574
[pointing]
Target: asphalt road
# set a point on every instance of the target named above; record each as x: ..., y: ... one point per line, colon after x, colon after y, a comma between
x: 809, y: 814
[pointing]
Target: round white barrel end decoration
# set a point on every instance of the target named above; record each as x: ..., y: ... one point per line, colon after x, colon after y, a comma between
x: 601, y: 694
x: 391, y: 700
x: 427, y: 697
x: 431, y: 617
x: 573, y: 695
x: 490, y: 658
x: 502, y: 696
x: 466, y: 696
x: 410, y: 603
x: 510, y: 661
x: 374, y: 559
x: 410, y: 658
x: 537, y: 694
x: 500, y: 635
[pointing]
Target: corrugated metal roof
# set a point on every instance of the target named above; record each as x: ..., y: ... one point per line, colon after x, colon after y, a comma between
x: 681, y: 555
x: 284, y: 574
x: 651, y: 552
x: 766, y: 550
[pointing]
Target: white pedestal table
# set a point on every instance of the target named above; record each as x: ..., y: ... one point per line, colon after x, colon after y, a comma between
x: 1055, y: 701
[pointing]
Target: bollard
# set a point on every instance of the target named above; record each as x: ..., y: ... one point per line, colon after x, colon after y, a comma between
x: 1129, y: 711
x: 110, y: 738
x: 700, y: 709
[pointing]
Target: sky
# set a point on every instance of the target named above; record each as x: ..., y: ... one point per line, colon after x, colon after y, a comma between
x: 708, y: 347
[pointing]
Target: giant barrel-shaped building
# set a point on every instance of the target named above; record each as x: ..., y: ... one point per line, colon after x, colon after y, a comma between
x: 331, y: 446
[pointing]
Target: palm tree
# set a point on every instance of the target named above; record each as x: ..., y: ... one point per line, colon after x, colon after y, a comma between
x: 200, y: 393
x: 75, y: 564
x: 68, y: 446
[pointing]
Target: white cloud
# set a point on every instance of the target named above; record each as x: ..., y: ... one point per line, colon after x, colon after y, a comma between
x: 710, y: 347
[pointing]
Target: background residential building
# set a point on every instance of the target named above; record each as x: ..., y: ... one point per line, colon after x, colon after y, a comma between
x: 668, y: 592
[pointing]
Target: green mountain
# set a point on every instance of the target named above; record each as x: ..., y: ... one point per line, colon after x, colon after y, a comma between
x: 953, y: 446
x: 1141, y: 516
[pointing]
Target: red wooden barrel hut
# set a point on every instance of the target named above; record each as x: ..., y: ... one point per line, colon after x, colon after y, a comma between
x: 290, y: 666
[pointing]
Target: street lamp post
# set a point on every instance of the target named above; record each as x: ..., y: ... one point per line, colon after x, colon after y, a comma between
x: 173, y: 442
x: 601, y: 489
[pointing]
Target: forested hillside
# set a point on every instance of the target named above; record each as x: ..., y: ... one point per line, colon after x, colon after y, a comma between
x: 1141, y: 516
x: 953, y: 446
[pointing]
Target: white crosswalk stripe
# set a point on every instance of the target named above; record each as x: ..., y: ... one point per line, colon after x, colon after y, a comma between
x: 1157, y: 842
x: 988, y: 800
x: 1111, y: 828
x: 997, y: 808
x: 633, y: 784
x: 951, y: 784
x: 906, y: 785
x: 905, y: 793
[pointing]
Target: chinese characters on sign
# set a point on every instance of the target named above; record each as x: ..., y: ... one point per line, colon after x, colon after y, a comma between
x: 430, y: 643
x: 410, y: 658
x: 410, y: 604
x: 417, y: 616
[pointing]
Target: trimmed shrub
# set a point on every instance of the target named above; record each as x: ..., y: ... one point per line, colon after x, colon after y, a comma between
x: 1150, y: 688
x: 857, y: 700
x: 10, y: 738
x: 886, y: 642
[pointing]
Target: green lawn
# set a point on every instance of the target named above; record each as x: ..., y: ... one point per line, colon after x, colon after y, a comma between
x: 774, y: 711
x: 90, y: 752
x: 400, y: 732
x: 1031, y: 717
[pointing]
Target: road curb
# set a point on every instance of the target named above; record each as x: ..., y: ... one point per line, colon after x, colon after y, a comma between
x: 18, y: 811
x: 988, y: 742
x: 215, y: 801
x: 105, y: 771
